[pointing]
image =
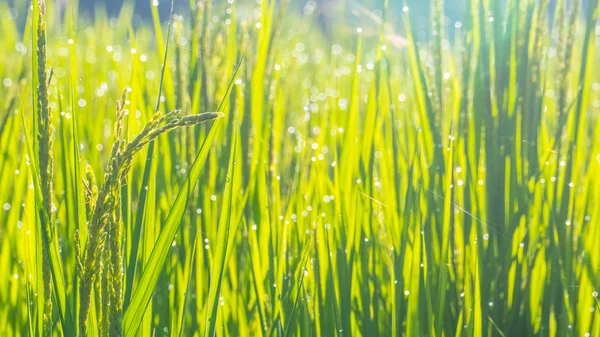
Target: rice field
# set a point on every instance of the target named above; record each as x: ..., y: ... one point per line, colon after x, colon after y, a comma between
x: 239, y: 168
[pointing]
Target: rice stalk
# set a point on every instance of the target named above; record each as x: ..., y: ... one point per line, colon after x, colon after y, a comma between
x: 46, y: 162
x: 105, y: 225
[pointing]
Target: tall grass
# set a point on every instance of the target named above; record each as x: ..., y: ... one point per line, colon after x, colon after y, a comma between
x: 351, y: 184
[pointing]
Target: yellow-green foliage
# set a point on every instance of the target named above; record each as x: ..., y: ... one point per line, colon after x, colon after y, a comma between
x: 381, y: 181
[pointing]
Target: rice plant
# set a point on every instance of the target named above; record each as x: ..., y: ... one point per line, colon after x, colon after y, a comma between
x: 300, y: 168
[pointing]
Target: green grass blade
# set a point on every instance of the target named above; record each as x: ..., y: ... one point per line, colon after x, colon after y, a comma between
x: 223, y: 234
x: 145, y: 287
